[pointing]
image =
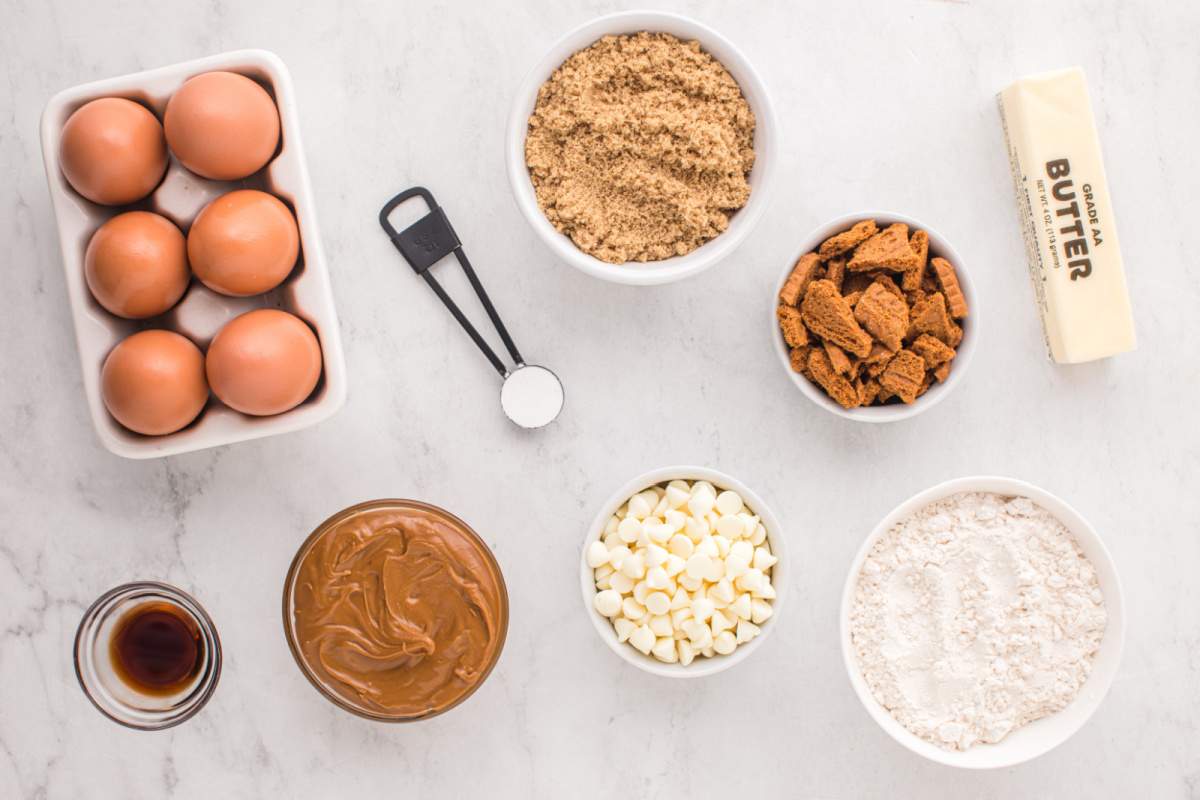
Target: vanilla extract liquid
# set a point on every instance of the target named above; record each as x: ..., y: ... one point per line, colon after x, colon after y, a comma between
x: 157, y: 649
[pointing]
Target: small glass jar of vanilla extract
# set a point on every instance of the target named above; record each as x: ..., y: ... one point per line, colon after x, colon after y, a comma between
x: 147, y: 655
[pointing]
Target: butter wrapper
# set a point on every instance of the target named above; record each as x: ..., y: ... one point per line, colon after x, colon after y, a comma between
x: 1067, y: 217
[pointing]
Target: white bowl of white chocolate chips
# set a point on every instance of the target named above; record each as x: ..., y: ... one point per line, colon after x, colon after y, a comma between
x: 684, y: 571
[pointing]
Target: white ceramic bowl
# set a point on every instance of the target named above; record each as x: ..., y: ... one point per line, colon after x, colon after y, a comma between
x: 938, y: 246
x: 766, y: 144
x: 780, y: 573
x: 201, y: 313
x: 1038, y: 737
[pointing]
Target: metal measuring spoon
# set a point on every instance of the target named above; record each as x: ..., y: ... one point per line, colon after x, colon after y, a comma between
x: 531, y: 396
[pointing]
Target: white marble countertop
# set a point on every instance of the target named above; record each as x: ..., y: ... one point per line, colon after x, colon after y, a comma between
x: 884, y: 104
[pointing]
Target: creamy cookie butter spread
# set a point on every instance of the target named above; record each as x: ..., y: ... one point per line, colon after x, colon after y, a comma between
x: 397, y: 609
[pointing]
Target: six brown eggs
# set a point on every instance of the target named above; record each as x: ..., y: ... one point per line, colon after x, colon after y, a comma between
x: 139, y: 264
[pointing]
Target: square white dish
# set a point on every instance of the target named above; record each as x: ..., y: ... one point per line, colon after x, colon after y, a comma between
x: 201, y: 313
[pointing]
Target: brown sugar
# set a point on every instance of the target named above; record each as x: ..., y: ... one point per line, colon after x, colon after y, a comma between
x: 802, y: 274
x: 836, y: 386
x: 847, y: 240
x: 827, y: 314
x: 884, y: 314
x: 888, y: 249
x: 639, y: 147
x: 946, y: 277
x: 904, y: 376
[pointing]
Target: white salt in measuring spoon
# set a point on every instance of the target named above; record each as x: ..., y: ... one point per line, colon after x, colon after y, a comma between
x: 531, y: 396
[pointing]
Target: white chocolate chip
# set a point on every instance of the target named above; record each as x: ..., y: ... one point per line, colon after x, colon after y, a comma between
x: 640, y: 590
x: 746, y: 631
x: 639, y: 508
x: 687, y: 653
x: 677, y: 496
x: 657, y: 578
x: 621, y: 583
x: 736, y: 566
x: 680, y: 600
x: 674, y: 565
x: 597, y: 554
x: 681, y: 546
x: 766, y: 591
x: 720, y: 622
x: 603, y: 571
x: 730, y: 527
x: 629, y: 530
x: 725, y: 643
x: 723, y: 590
x: 655, y: 555
x: 741, y: 607
x: 664, y: 650
x: 624, y: 627
x: 763, y: 559
x: 608, y: 603
x: 643, y: 639
x: 702, y: 609
x: 698, y: 566
x: 759, y: 536
x: 632, y: 608
x: 729, y: 502
x: 760, y: 611
x: 617, y: 556
x: 658, y: 603
x: 679, y: 615
x: 752, y: 581
x: 635, y: 567
x: 661, y: 625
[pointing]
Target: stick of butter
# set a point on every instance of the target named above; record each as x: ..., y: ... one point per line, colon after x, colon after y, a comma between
x: 1067, y: 217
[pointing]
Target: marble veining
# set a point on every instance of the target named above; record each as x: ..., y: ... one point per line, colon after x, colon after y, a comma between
x: 881, y: 104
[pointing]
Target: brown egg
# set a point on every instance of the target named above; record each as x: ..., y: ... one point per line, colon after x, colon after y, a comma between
x: 264, y: 362
x: 243, y: 243
x: 113, y: 151
x: 153, y: 382
x: 222, y: 125
x: 136, y: 265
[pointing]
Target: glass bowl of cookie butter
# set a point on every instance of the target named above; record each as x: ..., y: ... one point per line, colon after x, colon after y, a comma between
x: 642, y: 148
x: 395, y: 610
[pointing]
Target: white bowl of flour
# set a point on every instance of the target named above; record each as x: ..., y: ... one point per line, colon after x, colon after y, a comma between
x: 982, y: 622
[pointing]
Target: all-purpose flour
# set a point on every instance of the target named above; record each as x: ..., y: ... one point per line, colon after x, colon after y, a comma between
x: 974, y: 616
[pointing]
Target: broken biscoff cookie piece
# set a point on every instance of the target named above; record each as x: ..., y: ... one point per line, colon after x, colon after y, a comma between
x: 847, y: 240
x: 827, y: 314
x: 944, y: 274
x: 802, y: 274
x: 884, y: 315
x: 794, y: 332
x: 836, y: 386
x: 904, y: 376
x: 889, y: 249
x: 872, y: 316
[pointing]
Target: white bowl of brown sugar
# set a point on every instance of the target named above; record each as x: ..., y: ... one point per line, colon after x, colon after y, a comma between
x: 661, y: 167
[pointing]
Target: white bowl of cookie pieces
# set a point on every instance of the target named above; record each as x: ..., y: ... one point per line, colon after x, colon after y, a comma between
x: 1039, y: 737
x: 766, y: 144
x: 939, y: 245
x: 780, y: 573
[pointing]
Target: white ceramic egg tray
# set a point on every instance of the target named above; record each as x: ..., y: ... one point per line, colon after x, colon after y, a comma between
x: 201, y: 313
